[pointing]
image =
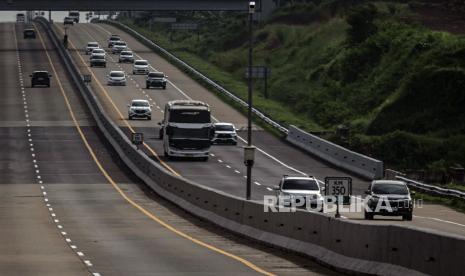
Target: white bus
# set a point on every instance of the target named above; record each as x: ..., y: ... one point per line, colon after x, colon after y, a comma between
x: 187, y: 129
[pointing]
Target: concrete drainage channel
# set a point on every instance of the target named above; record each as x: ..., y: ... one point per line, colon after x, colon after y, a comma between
x: 373, y: 249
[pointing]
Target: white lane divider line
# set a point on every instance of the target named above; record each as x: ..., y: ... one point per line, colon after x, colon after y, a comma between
x: 220, y: 161
x: 227, y: 166
x: 269, y: 189
x: 257, y: 183
x: 440, y: 220
x: 236, y: 171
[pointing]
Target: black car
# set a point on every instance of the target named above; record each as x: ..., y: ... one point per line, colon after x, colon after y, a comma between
x: 389, y: 198
x: 98, y: 60
x: 29, y: 33
x: 156, y: 79
x: 40, y: 78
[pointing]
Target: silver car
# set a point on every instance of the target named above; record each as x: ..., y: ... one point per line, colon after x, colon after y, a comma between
x: 126, y: 56
x: 118, y: 47
x: 139, y: 109
x: 116, y: 78
x: 98, y: 52
x: 91, y: 46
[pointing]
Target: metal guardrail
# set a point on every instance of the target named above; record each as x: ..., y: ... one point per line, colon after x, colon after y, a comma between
x: 432, y: 188
x: 201, y: 76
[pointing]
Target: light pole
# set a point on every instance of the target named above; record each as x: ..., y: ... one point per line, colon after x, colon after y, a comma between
x: 249, y: 150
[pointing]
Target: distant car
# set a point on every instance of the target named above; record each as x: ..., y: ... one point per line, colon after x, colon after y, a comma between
x: 155, y: 79
x: 40, y: 78
x: 29, y: 33
x: 20, y: 18
x: 140, y: 67
x: 116, y: 78
x: 112, y: 40
x: 91, y: 46
x: 68, y: 21
x: 126, y: 56
x: 139, y: 109
x: 225, y: 133
x: 390, y: 193
x: 98, y: 52
x: 98, y: 61
x: 294, y: 188
x: 118, y: 47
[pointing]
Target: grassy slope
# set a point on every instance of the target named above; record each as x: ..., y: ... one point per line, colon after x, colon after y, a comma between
x: 400, y: 89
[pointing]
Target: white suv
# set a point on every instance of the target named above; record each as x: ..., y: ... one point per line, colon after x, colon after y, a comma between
x: 139, y: 109
x: 140, y: 67
x: 91, y: 46
x: 300, y: 189
x: 224, y: 133
x: 116, y: 78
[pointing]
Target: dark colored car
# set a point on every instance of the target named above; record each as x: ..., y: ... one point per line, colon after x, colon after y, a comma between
x: 40, y: 78
x: 156, y: 79
x: 29, y: 33
x: 388, y: 198
x: 97, y: 60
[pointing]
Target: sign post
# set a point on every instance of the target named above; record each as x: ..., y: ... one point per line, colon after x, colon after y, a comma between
x: 137, y: 139
x: 339, y: 187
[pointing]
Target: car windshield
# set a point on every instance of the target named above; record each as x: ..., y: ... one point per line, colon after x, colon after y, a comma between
x: 92, y: 44
x: 156, y: 75
x: 224, y: 127
x: 29, y: 31
x: 126, y: 53
x: 98, y: 57
x: 389, y: 189
x: 114, y: 38
x: 117, y: 74
x: 41, y: 74
x: 119, y: 43
x: 300, y: 184
x: 140, y: 103
x: 141, y: 63
x: 98, y: 51
x: 74, y: 14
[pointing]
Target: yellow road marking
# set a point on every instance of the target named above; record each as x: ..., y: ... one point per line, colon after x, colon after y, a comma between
x: 123, y: 194
x: 105, y: 92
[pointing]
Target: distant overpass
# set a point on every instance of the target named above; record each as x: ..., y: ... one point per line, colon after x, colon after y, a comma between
x: 129, y: 5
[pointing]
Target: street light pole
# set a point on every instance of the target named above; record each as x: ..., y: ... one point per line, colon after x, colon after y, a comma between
x: 249, y: 150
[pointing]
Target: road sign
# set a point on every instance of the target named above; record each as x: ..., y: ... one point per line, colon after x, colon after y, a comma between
x: 258, y: 72
x: 339, y: 186
x: 87, y: 78
x: 184, y: 26
x: 137, y: 138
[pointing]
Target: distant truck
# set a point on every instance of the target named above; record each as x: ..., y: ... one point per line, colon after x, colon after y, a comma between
x: 187, y: 129
x: 74, y: 15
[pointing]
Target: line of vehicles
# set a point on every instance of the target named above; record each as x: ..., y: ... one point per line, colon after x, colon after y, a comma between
x: 187, y: 131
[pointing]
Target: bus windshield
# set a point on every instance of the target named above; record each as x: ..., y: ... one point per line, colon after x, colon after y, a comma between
x: 192, y: 116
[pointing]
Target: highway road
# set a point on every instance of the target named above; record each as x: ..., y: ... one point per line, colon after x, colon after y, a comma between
x: 70, y: 207
x: 225, y: 170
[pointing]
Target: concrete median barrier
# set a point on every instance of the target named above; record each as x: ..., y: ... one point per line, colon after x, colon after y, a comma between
x: 348, y: 246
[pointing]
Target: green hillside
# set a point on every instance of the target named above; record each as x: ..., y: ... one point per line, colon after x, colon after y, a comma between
x: 397, y: 85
